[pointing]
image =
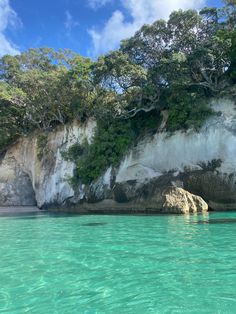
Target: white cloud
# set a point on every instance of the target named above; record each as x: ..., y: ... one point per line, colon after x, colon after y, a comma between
x: 70, y: 23
x: 95, y: 4
x: 141, y: 12
x: 8, y: 18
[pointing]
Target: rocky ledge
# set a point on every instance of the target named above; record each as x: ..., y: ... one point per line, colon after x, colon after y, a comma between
x: 172, y: 200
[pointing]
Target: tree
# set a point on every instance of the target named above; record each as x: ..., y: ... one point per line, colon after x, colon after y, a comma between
x: 148, y: 45
x: 12, y: 111
x: 229, y: 14
x: 164, y: 65
x: 42, y: 88
x: 120, y: 80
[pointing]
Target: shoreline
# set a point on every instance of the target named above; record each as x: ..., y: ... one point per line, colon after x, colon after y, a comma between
x: 19, y: 210
x: 95, y: 210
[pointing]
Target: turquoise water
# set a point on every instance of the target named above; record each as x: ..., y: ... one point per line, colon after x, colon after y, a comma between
x: 118, y: 264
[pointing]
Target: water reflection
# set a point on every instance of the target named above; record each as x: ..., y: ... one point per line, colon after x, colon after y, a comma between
x: 217, y: 221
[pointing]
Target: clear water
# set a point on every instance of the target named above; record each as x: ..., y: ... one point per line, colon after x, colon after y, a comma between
x: 118, y: 264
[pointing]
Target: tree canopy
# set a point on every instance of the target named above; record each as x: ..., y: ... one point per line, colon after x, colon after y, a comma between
x: 166, y: 65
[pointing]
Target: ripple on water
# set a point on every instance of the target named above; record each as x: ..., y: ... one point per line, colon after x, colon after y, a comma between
x: 122, y: 264
x: 217, y: 221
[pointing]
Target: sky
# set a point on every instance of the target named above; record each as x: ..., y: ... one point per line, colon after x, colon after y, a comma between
x: 89, y: 27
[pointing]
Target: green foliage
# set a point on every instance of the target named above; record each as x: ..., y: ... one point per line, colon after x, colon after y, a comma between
x: 174, y: 65
x: 121, y: 79
x: 42, y: 145
x: 232, y: 68
x: 187, y: 111
x: 211, y: 165
x: 75, y: 151
x: 12, y: 110
x: 183, y: 51
x: 111, y: 141
x: 47, y: 87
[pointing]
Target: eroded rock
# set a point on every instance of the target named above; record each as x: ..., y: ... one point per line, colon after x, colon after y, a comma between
x: 15, y: 185
x: 174, y: 200
x: 177, y: 200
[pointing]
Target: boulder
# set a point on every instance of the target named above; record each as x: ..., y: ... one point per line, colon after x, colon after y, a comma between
x: 177, y: 200
x: 174, y: 200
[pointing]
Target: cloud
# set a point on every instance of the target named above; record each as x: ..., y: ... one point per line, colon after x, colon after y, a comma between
x: 8, y: 19
x: 70, y: 23
x: 141, y: 12
x: 95, y: 4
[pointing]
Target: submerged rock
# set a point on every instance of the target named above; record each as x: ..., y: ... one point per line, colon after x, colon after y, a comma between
x: 94, y: 224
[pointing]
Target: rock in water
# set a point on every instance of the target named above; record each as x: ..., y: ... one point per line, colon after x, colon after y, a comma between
x: 177, y: 200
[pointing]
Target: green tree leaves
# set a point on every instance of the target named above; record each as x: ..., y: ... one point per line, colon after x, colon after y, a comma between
x: 173, y: 65
x: 42, y: 88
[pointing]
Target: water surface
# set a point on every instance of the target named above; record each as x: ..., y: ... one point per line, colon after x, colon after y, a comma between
x: 118, y: 264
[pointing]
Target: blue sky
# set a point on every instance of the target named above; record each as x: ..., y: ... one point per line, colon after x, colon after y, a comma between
x: 89, y: 27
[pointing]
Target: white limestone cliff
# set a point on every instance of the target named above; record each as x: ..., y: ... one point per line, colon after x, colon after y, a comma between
x: 152, y: 158
x: 49, y: 176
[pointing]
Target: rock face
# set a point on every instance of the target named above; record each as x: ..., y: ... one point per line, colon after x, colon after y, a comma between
x: 45, y: 181
x: 15, y: 185
x: 178, y: 201
x: 159, y: 197
x: 203, y: 163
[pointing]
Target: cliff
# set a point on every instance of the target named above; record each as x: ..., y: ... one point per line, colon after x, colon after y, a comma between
x: 203, y: 163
